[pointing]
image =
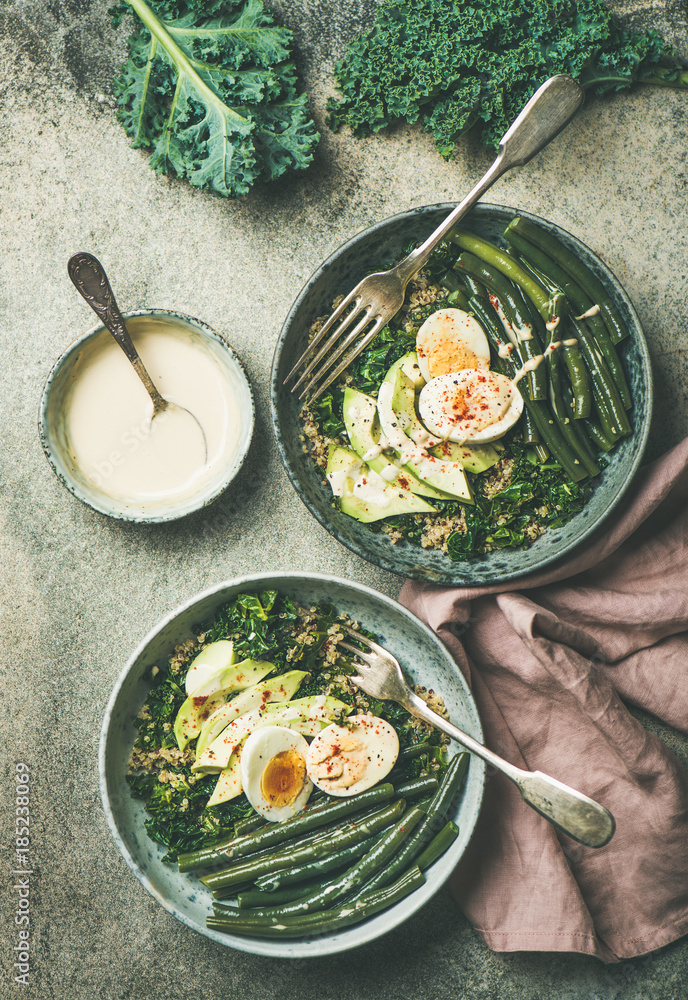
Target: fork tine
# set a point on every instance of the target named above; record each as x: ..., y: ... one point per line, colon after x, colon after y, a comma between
x: 345, y: 323
x: 365, y: 640
x: 341, y: 308
x: 363, y: 343
x: 352, y: 649
x: 350, y: 338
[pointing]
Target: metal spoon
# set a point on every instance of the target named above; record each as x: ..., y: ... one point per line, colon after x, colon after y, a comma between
x: 90, y: 280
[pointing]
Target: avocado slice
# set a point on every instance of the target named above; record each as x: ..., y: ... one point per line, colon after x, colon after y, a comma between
x: 447, y: 476
x: 363, y: 494
x: 212, y: 658
x: 314, y: 709
x: 363, y: 427
x: 229, y: 783
x: 410, y: 367
x: 476, y: 458
x: 212, y: 693
x: 278, y: 689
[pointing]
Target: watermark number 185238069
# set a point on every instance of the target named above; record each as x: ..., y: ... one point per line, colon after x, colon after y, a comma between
x: 22, y: 874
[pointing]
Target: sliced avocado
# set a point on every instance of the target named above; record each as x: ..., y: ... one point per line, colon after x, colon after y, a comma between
x: 447, y: 476
x: 277, y: 689
x: 410, y: 367
x: 475, y: 458
x: 363, y: 427
x: 314, y: 709
x: 363, y: 494
x: 212, y: 658
x: 212, y: 693
x: 229, y: 783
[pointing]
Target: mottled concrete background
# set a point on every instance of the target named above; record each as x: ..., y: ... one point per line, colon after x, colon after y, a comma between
x: 80, y: 591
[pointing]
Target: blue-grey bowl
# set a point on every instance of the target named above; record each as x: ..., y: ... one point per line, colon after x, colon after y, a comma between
x: 53, y: 436
x: 380, y: 247
x: 423, y: 657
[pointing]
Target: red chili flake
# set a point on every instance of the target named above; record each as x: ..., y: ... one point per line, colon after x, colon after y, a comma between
x: 199, y: 699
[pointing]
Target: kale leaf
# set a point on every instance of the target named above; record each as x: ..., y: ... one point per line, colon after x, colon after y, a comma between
x: 455, y: 65
x: 209, y: 88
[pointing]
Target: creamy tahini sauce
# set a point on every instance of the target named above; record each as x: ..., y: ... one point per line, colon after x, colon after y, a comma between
x: 107, y: 417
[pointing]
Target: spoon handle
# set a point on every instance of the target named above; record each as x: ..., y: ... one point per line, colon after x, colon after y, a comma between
x: 90, y: 280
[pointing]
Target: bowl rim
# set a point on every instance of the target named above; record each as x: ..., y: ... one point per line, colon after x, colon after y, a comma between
x: 300, y: 947
x: 387, y: 562
x: 188, y: 506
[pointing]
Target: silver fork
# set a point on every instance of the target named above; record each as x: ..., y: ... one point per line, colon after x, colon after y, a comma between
x: 380, y: 296
x: 577, y: 815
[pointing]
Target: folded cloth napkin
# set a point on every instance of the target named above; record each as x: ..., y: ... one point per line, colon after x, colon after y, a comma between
x: 551, y: 659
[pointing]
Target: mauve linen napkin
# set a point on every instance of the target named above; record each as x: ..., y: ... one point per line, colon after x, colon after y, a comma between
x: 549, y: 658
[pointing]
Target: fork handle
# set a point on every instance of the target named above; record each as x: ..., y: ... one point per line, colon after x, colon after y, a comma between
x: 548, y: 111
x: 580, y: 817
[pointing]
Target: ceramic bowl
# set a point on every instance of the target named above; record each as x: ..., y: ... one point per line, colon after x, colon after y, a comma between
x: 53, y: 436
x: 377, y: 248
x: 422, y: 656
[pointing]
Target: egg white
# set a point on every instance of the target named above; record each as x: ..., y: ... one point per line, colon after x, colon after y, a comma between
x: 472, y: 406
x: 260, y: 748
x: 365, y: 750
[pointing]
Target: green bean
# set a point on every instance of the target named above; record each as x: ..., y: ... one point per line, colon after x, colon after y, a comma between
x: 377, y: 857
x: 308, y: 820
x: 556, y: 397
x: 221, y: 882
x: 261, y: 898
x: 415, y: 750
x: 582, y: 303
x: 312, y: 869
x: 612, y: 412
x: 597, y: 435
x: 416, y: 787
x: 539, y: 411
x: 575, y: 366
x: 438, y: 845
x: 323, y: 922
x: 248, y: 824
x: 452, y: 785
x: 507, y: 265
x: 578, y: 270
x: 524, y: 333
x: 530, y: 431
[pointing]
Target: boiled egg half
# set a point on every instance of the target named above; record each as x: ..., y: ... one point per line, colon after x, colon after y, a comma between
x: 471, y: 406
x: 449, y: 340
x: 273, y: 772
x: 345, y: 760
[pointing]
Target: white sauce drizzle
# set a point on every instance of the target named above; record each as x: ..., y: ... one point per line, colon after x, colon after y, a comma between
x: 592, y: 311
x: 571, y: 342
x: 528, y: 366
x: 552, y: 324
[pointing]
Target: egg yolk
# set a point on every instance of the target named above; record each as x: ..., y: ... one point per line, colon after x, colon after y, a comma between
x: 283, y: 778
x: 448, y: 356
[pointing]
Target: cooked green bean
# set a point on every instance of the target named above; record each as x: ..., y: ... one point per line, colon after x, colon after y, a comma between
x: 277, y: 833
x: 578, y: 270
x: 438, y: 845
x: 325, y: 921
x: 249, y: 824
x: 539, y: 410
x: 524, y: 333
x: 221, y: 883
x: 416, y: 787
x: 452, y: 784
x: 581, y: 303
x: 378, y: 856
x: 261, y: 898
x: 313, y: 869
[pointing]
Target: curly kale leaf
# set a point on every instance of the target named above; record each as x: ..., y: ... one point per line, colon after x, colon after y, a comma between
x: 456, y: 65
x: 209, y: 88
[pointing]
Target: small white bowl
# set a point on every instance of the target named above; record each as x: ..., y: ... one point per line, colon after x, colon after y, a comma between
x: 53, y: 435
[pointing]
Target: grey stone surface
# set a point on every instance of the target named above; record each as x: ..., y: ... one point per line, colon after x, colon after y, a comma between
x: 79, y: 591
